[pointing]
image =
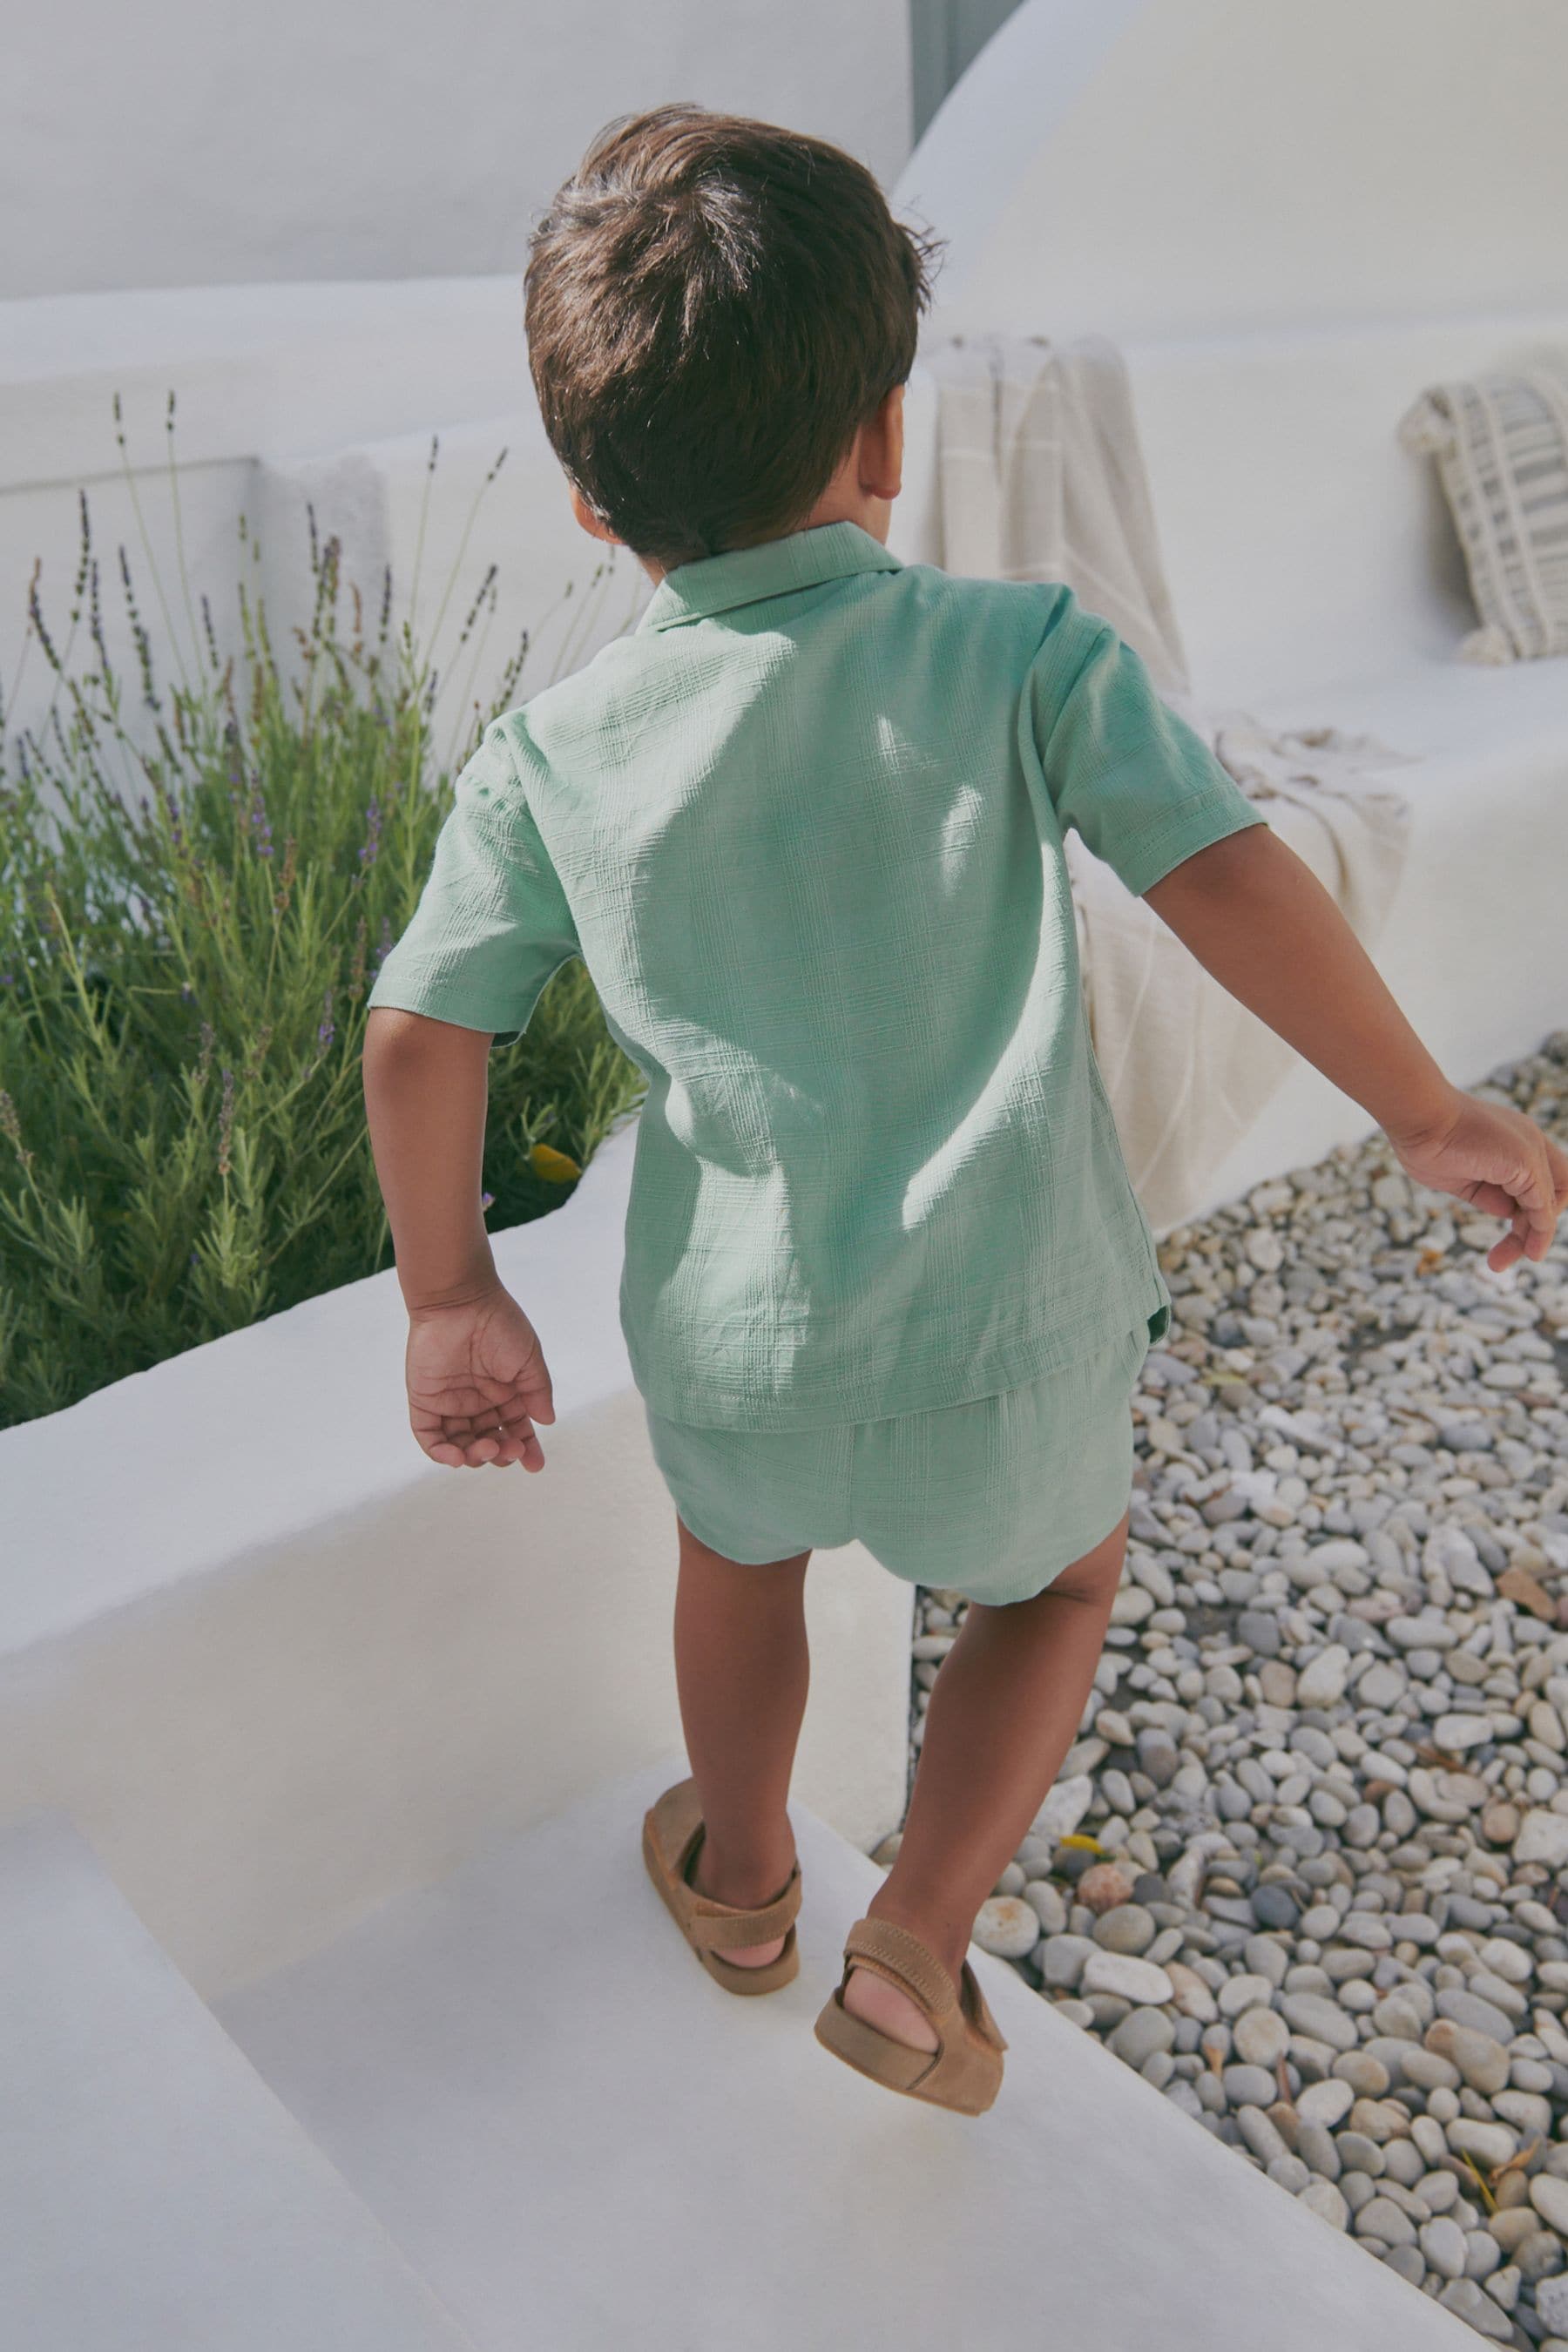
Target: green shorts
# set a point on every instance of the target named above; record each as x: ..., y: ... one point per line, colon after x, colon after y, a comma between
x: 991, y: 1498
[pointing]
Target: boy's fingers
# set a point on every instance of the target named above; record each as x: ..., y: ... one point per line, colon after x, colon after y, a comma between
x: 1538, y: 1199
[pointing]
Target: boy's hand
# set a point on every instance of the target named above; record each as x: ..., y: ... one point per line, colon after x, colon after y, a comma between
x: 477, y: 1383
x: 1494, y: 1157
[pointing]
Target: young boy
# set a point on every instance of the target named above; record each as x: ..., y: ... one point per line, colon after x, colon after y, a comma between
x: 885, y: 1274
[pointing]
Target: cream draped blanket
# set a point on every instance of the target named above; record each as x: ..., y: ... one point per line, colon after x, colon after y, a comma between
x: 1040, y: 477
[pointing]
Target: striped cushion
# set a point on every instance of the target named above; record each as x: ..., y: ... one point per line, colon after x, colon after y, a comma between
x: 1501, y: 447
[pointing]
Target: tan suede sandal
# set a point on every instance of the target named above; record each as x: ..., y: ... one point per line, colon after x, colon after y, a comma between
x: 672, y: 1833
x: 964, y: 2070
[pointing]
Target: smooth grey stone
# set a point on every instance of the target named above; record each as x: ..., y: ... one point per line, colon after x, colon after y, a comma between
x: 1539, y: 2257
x: 1125, y: 1928
x: 1274, y: 1905
x: 1249, y: 2087
x: 1261, y: 2037
x: 1260, y: 2134
x: 1260, y: 1631
x: 1471, y: 2304
x: 1442, y: 2241
x: 1480, y: 2016
x: 1268, y: 1958
x: 1315, y: 2146
x: 1322, y: 2197
x: 1381, y: 2218
x: 1062, y: 1957
x: 1143, y: 2033
x: 1323, y: 2020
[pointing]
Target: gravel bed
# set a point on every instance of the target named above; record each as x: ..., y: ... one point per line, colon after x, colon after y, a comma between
x: 1305, y: 1867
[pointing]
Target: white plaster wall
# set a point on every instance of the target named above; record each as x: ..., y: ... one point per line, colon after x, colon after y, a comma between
x: 1197, y: 165
x: 193, y: 142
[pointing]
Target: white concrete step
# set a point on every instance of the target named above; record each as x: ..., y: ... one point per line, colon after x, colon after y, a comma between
x: 155, y: 2195
x: 582, y: 2141
x: 276, y: 1678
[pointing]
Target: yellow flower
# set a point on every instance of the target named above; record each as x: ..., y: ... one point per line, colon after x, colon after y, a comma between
x: 555, y: 1167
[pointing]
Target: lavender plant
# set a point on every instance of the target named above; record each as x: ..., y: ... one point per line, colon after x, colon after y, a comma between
x: 198, y: 881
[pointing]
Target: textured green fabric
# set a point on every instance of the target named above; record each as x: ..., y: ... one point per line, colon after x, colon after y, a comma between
x: 804, y: 825
x: 991, y: 1498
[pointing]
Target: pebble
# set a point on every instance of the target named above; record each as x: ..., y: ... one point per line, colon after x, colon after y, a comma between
x: 1142, y: 2034
x: 1006, y: 1926
x: 1442, y: 2241
x: 1105, y: 1887
x: 1490, y: 2144
x: 1121, y: 1973
x: 1326, y: 2103
x: 1261, y: 2036
x: 1126, y: 1927
x: 1549, y: 2195
x: 1471, y: 2304
x: 1320, y: 2197
x: 1322, y: 2020
x: 1326, y: 1755
x: 1543, y: 1838
x: 1480, y: 2058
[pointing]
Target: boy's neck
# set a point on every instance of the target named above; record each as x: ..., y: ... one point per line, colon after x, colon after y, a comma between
x: 872, y: 515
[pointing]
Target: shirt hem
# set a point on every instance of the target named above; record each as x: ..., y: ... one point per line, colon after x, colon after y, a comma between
x: 670, y: 1398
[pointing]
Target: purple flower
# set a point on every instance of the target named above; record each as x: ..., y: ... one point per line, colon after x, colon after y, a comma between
x: 325, y: 1031
x: 384, y: 950
x: 260, y: 823
x: 371, y: 841
x: 487, y: 1199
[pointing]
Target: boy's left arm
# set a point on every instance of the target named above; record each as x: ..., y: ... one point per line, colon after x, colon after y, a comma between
x: 1256, y: 916
x: 1144, y: 792
x: 476, y: 1372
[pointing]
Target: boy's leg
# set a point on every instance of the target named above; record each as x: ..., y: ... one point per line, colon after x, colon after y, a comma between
x: 741, y: 1669
x: 1004, y: 1710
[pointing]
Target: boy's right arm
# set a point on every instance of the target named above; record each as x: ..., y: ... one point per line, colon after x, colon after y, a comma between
x: 1257, y: 919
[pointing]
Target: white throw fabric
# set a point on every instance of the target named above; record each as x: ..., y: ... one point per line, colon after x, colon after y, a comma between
x: 1040, y: 477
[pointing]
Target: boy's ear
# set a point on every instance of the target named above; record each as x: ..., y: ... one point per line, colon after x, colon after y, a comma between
x: 890, y: 440
x: 595, y: 525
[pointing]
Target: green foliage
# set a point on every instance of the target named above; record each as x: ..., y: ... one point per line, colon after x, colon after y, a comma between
x: 197, y: 884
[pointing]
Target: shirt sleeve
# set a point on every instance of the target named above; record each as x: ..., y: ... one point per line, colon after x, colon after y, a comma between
x: 1142, y: 788
x: 492, y: 924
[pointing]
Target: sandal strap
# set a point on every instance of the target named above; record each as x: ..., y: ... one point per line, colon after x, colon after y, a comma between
x: 718, y: 1928
x: 898, y: 1954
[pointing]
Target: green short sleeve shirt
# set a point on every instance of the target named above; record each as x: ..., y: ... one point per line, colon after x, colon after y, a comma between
x: 803, y: 825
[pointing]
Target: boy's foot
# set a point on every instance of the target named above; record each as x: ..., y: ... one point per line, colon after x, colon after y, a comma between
x: 745, y: 1955
x: 891, y: 2012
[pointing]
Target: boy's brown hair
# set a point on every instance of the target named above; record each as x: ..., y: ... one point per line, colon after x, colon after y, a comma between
x: 714, y: 305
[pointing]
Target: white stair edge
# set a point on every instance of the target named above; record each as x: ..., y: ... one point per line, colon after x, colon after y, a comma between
x: 531, y: 2080
x: 155, y: 2195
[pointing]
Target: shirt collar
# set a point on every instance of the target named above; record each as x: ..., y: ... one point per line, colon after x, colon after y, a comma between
x: 743, y: 575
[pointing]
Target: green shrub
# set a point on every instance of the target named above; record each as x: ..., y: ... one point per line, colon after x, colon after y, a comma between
x: 197, y: 884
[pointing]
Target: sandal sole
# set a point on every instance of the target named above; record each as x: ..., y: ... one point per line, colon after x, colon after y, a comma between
x: 882, y: 2058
